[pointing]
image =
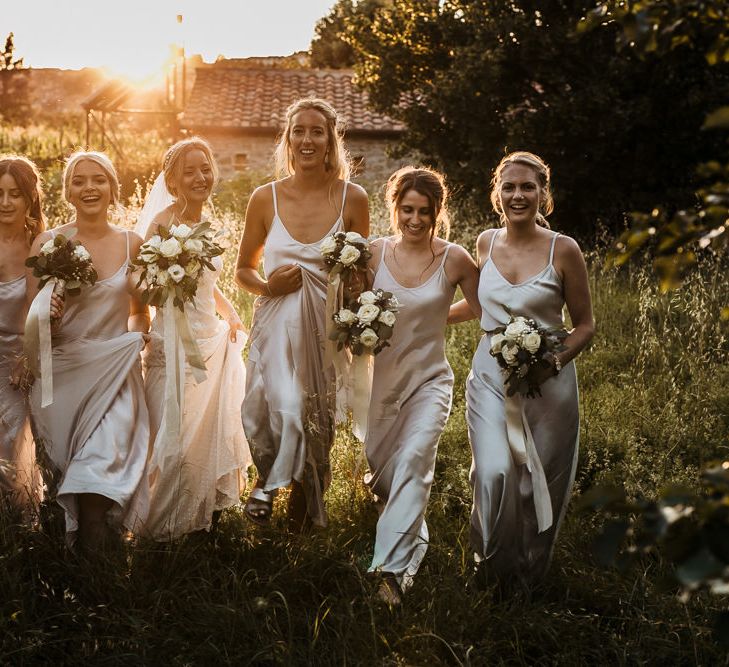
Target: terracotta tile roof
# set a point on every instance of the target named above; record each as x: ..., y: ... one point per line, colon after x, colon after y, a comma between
x: 257, y: 98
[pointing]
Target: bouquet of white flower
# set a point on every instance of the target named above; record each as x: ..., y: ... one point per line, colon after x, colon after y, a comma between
x: 521, y: 348
x: 172, y: 262
x: 344, y: 253
x: 65, y: 262
x: 366, y: 326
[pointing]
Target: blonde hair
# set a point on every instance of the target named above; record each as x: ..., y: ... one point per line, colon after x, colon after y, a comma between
x: 546, y: 203
x: 98, y: 158
x: 28, y: 180
x: 426, y: 182
x: 336, y: 162
x: 173, y: 163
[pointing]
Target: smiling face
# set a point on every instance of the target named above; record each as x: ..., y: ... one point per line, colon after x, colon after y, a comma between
x: 519, y: 193
x: 89, y: 190
x: 415, y: 216
x: 196, y: 179
x: 13, y: 204
x: 309, y: 139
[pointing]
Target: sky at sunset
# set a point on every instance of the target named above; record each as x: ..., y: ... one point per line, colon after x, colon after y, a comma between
x: 133, y: 37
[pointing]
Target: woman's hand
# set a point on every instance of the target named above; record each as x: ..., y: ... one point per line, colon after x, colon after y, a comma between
x: 284, y: 280
x: 234, y: 324
x: 58, y: 307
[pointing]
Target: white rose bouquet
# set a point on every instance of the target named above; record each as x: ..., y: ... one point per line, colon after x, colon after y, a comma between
x: 344, y: 253
x: 365, y: 326
x: 172, y: 261
x: 521, y: 348
x: 64, y: 261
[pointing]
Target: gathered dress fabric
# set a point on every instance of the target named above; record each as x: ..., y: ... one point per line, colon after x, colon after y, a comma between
x: 289, y: 407
x: 411, y: 398
x: 504, y: 530
x: 96, y: 431
x: 206, y: 470
x: 20, y: 479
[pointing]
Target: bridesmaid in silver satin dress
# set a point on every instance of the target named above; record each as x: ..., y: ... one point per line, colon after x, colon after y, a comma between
x: 96, y: 430
x: 288, y: 410
x: 535, y: 272
x: 412, y: 382
x: 21, y: 220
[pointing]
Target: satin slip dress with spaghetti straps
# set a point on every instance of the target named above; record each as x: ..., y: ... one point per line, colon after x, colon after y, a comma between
x: 504, y: 529
x: 411, y: 398
x: 96, y: 431
x: 288, y: 410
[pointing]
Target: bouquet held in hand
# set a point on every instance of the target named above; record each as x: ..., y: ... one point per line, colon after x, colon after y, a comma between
x: 522, y: 347
x: 172, y: 262
x: 366, y: 325
x: 67, y: 263
x: 345, y: 253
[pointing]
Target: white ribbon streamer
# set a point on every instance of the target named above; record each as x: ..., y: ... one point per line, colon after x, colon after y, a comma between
x: 524, y: 451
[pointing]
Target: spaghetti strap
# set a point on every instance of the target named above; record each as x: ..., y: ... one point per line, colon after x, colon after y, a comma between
x: 445, y: 255
x: 344, y: 197
x: 551, y: 250
x: 384, y: 250
x: 491, y: 245
x: 275, y: 203
x: 127, y: 235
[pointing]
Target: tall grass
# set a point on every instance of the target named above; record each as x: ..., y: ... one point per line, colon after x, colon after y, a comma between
x: 655, y: 408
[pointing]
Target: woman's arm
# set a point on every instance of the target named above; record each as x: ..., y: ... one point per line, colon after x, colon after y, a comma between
x: 469, y: 309
x: 462, y: 271
x: 571, y: 266
x: 357, y: 210
x: 139, y: 319
x: 227, y: 311
x: 285, y: 279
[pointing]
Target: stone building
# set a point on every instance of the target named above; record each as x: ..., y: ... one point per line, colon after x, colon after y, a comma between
x: 240, y: 109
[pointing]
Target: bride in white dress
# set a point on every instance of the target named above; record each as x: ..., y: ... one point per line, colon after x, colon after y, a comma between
x: 203, y: 471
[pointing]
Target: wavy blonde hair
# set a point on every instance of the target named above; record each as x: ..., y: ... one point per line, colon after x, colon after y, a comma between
x: 28, y: 180
x: 534, y: 162
x: 336, y: 163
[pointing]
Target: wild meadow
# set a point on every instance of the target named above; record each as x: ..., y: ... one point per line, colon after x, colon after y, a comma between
x: 654, y: 410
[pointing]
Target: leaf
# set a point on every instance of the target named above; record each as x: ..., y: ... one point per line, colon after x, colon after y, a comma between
x: 607, y: 543
x: 599, y: 497
x: 698, y: 568
x: 719, y: 118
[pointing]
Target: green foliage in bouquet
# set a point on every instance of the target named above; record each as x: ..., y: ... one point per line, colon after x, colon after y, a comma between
x: 65, y: 261
x: 366, y: 324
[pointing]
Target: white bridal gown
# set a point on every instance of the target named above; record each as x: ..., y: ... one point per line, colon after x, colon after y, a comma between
x: 288, y: 411
x: 206, y: 470
x: 411, y: 399
x: 96, y: 431
x: 19, y: 476
x: 504, y: 528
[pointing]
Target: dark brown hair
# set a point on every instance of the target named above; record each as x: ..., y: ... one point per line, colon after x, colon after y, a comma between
x: 426, y: 182
x: 28, y: 179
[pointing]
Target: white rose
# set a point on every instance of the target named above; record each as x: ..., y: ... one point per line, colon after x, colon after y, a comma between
x: 509, y: 353
x: 516, y: 328
x: 394, y: 303
x: 349, y: 255
x: 368, y: 338
x: 48, y: 246
x: 353, y: 236
x: 328, y: 245
x: 162, y: 277
x: 346, y: 316
x: 192, y: 268
x: 170, y: 248
x: 152, y: 272
x: 387, y: 317
x: 181, y: 231
x: 367, y: 298
x: 497, y: 340
x: 154, y: 242
x: 368, y: 313
x: 79, y: 252
x: 532, y: 341
x: 194, y: 245
x: 177, y: 273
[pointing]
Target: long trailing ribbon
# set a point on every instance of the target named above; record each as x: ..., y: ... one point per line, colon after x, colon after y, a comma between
x: 335, y: 298
x: 359, y: 393
x: 524, y: 451
x: 37, y: 340
x: 177, y: 330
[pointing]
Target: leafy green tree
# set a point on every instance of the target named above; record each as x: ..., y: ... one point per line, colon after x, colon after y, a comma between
x: 472, y: 79
x: 14, y: 100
